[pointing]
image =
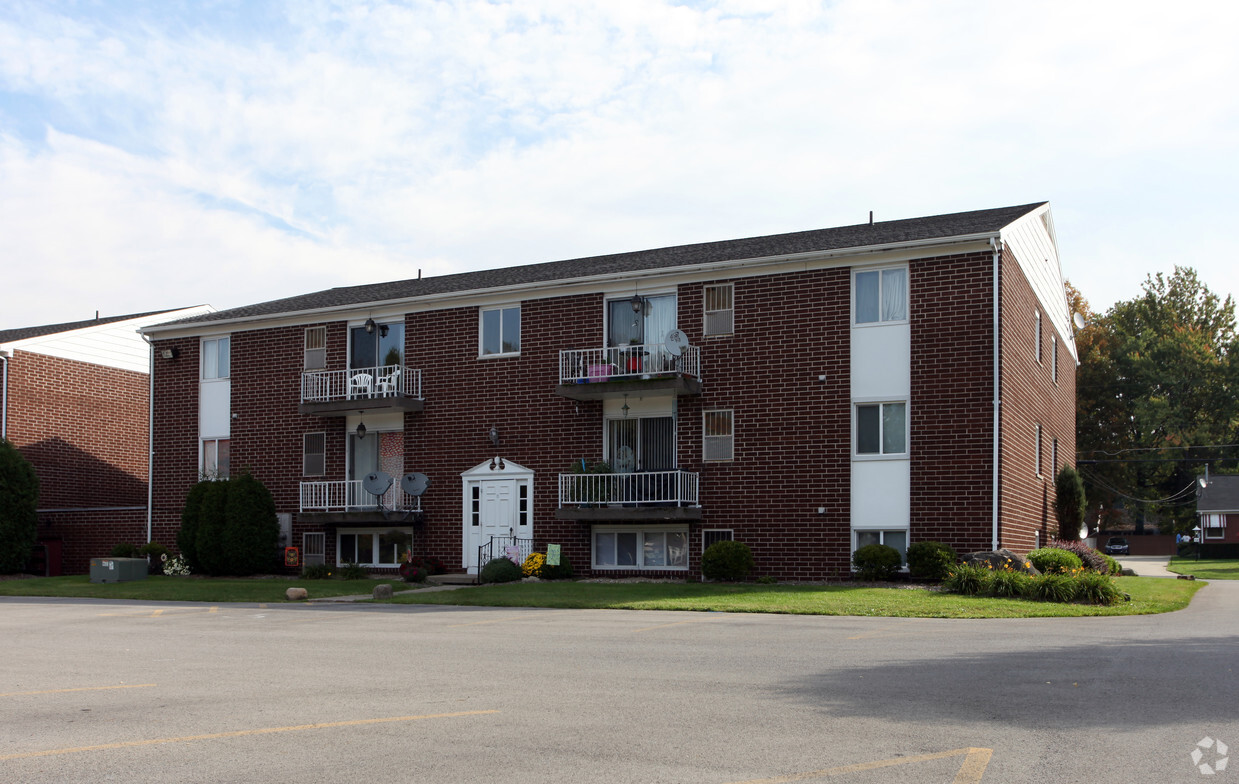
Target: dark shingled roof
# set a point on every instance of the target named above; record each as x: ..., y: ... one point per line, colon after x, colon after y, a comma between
x: 1222, y: 495
x: 861, y: 235
x: 22, y: 333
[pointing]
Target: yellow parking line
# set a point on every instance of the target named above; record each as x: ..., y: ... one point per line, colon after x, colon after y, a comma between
x: 975, y: 762
x: 82, y: 688
x: 666, y: 625
x: 496, y: 620
x: 239, y: 734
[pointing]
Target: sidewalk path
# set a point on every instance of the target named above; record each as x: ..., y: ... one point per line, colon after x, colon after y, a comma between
x: 1147, y: 565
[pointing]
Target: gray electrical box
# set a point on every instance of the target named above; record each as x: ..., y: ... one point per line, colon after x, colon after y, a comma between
x: 117, y: 570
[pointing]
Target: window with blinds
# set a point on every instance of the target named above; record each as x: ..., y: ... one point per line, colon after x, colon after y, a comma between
x: 720, y: 309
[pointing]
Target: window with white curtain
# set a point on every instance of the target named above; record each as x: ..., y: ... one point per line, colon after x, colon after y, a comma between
x: 641, y: 548
x: 881, y: 429
x: 881, y: 295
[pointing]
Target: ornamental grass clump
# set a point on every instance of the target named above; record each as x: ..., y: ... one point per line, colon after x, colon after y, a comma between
x: 931, y: 560
x: 1094, y: 588
x: 1010, y: 583
x: 1054, y: 560
x: 968, y: 580
x: 1055, y: 587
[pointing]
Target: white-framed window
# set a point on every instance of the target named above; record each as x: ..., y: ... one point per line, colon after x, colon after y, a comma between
x: 1037, y: 335
x: 1053, y: 457
x: 880, y: 296
x: 314, y: 454
x: 718, y: 435
x: 216, y: 359
x: 1037, y: 448
x: 891, y: 537
x: 719, y: 300
x: 215, y: 454
x: 313, y: 548
x: 655, y: 547
x: 1213, y: 525
x: 315, y: 348
x: 372, y: 546
x: 499, y: 331
x: 881, y: 429
x: 1054, y: 358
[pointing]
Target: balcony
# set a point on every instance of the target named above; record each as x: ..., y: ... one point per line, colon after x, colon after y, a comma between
x: 348, y: 502
x: 600, y: 373
x: 377, y: 389
x: 635, y: 497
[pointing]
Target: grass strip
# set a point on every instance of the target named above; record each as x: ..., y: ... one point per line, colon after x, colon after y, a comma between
x: 1207, y: 568
x: 191, y: 589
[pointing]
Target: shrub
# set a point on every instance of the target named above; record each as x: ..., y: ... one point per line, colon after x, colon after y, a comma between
x: 876, y: 562
x: 533, y: 565
x: 727, y: 560
x: 19, y: 503
x: 124, y: 550
x: 176, y: 567
x: 352, y: 571
x: 316, y: 572
x: 499, y: 570
x: 1069, y: 502
x: 1054, y: 560
x: 209, y: 540
x: 1114, y: 566
x: 931, y: 560
x: 968, y: 580
x: 187, y: 536
x: 1055, y: 587
x: 156, y: 554
x: 1007, y: 582
x: 1095, y: 588
x: 561, y: 572
x: 1089, y: 558
x: 251, y: 529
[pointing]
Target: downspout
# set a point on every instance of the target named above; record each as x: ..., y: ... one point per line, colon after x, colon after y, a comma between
x: 4, y: 396
x: 996, y: 244
x: 150, y: 435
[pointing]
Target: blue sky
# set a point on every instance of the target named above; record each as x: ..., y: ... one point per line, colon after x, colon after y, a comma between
x: 161, y: 154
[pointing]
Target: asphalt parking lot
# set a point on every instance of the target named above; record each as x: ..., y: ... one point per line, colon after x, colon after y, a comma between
x: 142, y: 692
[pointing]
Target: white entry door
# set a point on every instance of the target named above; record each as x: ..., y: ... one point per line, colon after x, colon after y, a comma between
x: 497, y: 503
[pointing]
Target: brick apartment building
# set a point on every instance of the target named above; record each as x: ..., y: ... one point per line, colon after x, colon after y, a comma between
x: 804, y: 393
x: 74, y: 401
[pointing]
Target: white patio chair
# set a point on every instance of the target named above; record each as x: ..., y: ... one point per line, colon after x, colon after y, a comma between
x: 389, y: 384
x: 361, y: 385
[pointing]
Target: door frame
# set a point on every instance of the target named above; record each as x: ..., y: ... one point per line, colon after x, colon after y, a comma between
x: 496, y: 469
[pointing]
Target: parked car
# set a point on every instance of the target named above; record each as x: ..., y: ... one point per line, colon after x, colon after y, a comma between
x: 1117, y: 545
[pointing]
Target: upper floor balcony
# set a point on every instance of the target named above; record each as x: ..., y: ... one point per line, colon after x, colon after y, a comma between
x: 600, y: 373
x: 343, y: 392
x: 636, y: 496
x: 348, y: 501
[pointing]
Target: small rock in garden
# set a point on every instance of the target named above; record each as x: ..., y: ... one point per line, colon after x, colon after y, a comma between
x: 382, y: 591
x: 296, y: 594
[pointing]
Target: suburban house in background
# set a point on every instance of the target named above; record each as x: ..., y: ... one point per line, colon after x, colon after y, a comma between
x: 804, y: 393
x: 1217, y: 509
x: 74, y: 400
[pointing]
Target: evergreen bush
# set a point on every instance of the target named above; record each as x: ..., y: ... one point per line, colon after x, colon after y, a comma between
x: 251, y: 530
x: 1069, y: 503
x: 931, y: 560
x: 187, y: 537
x: 561, y: 572
x: 876, y: 562
x: 727, y: 560
x: 19, y: 503
x: 1054, y: 560
x: 124, y: 550
x: 209, y: 537
x: 499, y: 570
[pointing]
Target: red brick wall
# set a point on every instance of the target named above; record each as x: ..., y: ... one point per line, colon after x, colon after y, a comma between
x: 951, y: 406
x: 1030, y: 396
x: 176, y: 435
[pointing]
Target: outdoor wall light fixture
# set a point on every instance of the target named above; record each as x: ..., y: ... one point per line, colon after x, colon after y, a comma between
x: 370, y: 326
x: 170, y: 353
x: 494, y: 435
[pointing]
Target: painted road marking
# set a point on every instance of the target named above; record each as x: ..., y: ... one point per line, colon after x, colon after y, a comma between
x: 668, y: 625
x: 496, y: 620
x: 82, y: 688
x: 970, y: 772
x: 240, y: 734
x: 160, y: 613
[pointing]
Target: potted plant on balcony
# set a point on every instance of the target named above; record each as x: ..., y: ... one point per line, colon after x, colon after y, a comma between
x: 591, y: 493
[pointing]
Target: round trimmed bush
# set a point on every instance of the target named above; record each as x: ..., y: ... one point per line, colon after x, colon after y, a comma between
x: 1051, y: 560
x: 727, y: 560
x: 876, y: 562
x: 124, y: 550
x: 499, y: 570
x: 561, y: 572
x: 1112, y: 565
x: 931, y: 560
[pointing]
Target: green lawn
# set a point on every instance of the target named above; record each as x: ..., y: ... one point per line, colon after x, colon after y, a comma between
x: 1207, y: 568
x: 1149, y: 595
x: 189, y: 589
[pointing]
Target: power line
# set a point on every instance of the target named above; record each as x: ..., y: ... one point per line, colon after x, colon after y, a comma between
x: 1169, y: 500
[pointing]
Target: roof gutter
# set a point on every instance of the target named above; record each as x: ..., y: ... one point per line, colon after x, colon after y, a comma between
x: 197, y: 327
x: 995, y: 242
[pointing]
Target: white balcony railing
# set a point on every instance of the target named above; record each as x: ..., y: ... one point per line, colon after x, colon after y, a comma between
x: 647, y: 360
x: 323, y: 386
x: 642, y: 489
x: 350, y: 496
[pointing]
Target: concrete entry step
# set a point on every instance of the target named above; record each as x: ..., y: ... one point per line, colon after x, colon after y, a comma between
x: 457, y: 578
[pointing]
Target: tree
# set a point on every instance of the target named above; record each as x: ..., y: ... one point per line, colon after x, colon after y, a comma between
x: 19, y: 503
x: 251, y: 529
x: 187, y: 536
x: 1069, y: 503
x: 1156, y: 389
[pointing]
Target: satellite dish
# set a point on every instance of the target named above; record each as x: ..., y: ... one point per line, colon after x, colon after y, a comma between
x: 1078, y: 320
x: 376, y: 482
x: 676, y: 341
x: 414, y: 484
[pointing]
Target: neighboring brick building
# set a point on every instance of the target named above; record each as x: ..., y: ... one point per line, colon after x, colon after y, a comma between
x: 804, y: 393
x: 74, y: 401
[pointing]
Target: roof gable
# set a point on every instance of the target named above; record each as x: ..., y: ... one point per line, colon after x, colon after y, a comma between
x: 1221, y: 495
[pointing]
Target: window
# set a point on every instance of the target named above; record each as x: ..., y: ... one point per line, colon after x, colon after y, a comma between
x: 711, y: 535
x: 1213, y: 525
x: 881, y: 295
x: 641, y: 549
x: 1053, y: 457
x: 313, y: 546
x: 475, y: 506
x: 717, y: 436
x: 522, y: 503
x: 314, y: 454
x: 1037, y: 448
x: 501, y: 331
x: 641, y: 444
x: 215, y: 458
x: 1054, y: 358
x: 315, y: 348
x: 1037, y: 335
x: 380, y: 346
x: 720, y: 314
x: 897, y: 538
x: 374, y: 547
x: 215, y: 358
x: 881, y: 429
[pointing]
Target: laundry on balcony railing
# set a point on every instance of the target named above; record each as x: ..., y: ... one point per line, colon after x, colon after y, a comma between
x: 668, y: 488
x: 322, y: 386
x: 643, y: 360
x: 351, y: 496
